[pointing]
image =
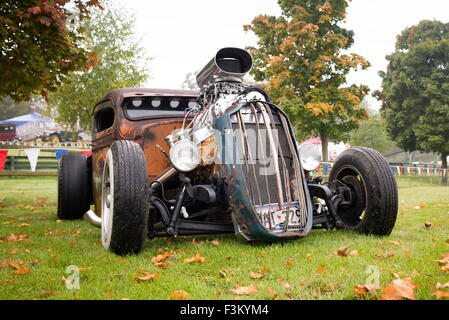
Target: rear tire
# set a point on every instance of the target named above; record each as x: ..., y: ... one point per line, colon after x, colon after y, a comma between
x: 73, y: 187
x: 125, y: 201
x: 373, y: 188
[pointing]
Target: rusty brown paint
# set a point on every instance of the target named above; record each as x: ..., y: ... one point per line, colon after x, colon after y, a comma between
x: 148, y: 133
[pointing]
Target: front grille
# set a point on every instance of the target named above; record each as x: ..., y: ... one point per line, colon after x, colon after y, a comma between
x: 271, y: 168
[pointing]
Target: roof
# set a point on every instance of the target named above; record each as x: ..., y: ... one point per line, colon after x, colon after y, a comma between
x: 25, y: 119
x: 117, y: 95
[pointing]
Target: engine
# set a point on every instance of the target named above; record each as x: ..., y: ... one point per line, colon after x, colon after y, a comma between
x: 235, y: 137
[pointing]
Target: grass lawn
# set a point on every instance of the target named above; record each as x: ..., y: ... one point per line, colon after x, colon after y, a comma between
x: 36, y: 249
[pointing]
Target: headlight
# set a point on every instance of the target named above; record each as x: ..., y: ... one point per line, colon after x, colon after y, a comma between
x: 185, y: 156
x: 310, y: 156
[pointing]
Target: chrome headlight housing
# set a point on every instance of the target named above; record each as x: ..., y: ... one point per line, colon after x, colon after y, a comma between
x: 185, y: 156
x: 310, y: 156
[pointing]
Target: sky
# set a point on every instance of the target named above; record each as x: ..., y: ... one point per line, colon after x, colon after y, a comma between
x: 182, y: 36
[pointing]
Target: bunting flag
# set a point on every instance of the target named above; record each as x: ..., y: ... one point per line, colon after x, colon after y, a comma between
x: 32, y: 155
x: 319, y: 169
x: 87, y: 153
x: 60, y: 152
x: 326, y: 168
x: 3, y: 154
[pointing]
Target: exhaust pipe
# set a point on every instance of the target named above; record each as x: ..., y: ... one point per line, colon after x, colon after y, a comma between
x: 93, y: 218
x: 229, y: 64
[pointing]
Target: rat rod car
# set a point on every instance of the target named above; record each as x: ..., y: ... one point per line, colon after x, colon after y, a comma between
x: 221, y: 160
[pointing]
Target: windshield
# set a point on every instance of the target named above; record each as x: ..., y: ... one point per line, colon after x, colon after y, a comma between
x: 144, y: 107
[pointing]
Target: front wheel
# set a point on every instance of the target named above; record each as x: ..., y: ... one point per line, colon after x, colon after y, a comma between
x: 372, y: 204
x: 124, y: 204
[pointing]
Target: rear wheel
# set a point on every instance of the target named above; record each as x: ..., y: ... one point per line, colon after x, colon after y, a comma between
x: 371, y: 206
x: 124, y: 204
x: 73, y: 186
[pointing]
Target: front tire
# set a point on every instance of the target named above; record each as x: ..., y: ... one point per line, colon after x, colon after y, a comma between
x: 73, y: 186
x: 125, y: 203
x: 374, y: 193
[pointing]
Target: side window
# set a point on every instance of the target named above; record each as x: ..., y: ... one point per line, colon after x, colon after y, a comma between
x: 103, y: 117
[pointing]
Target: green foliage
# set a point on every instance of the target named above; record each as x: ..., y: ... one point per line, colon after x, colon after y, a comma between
x: 300, y: 58
x: 10, y: 109
x: 38, y: 49
x: 372, y: 133
x: 189, y: 82
x: 121, y: 63
x: 415, y: 89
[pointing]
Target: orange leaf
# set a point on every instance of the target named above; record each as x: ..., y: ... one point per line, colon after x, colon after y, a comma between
x: 441, y: 294
x: 290, y: 263
x: 398, y: 289
x: 250, y: 290
x: 148, y: 276
x: 366, y: 289
x: 196, y: 258
x: 163, y: 265
x: 180, y: 295
x: 161, y: 257
x: 321, y: 269
x: 255, y: 275
x: 396, y: 243
x: 215, y: 242
x: 444, y: 259
x: 22, y: 271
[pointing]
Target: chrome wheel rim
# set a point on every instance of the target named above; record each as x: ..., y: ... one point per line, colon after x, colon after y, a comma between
x: 107, y: 204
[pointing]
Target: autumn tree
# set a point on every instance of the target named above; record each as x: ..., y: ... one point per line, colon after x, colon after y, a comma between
x: 39, y: 45
x: 301, y: 58
x: 122, y: 62
x: 415, y: 89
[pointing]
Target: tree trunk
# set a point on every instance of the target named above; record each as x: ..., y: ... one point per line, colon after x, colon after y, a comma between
x: 444, y: 166
x: 324, y: 146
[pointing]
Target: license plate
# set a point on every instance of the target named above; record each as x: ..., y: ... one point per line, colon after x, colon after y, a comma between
x: 277, y: 216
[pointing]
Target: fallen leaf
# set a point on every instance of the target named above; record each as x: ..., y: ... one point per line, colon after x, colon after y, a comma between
x: 148, y: 276
x: 214, y: 242
x: 406, y: 254
x: 24, y: 225
x: 343, y: 251
x: 290, y: 263
x: 255, y: 275
x: 396, y: 243
x: 439, y: 285
x: 393, y: 273
x: 223, y: 273
x: 444, y: 259
x: 441, y: 294
x: 47, y: 293
x: 271, y: 292
x: 180, y: 295
x: 321, y: 269
x: 21, y: 271
x: 398, y: 289
x: 196, y: 258
x: 284, y: 283
x: 250, y: 290
x: 84, y: 269
x: 161, y: 257
x: 366, y: 289
x: 163, y: 265
x: 354, y: 253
